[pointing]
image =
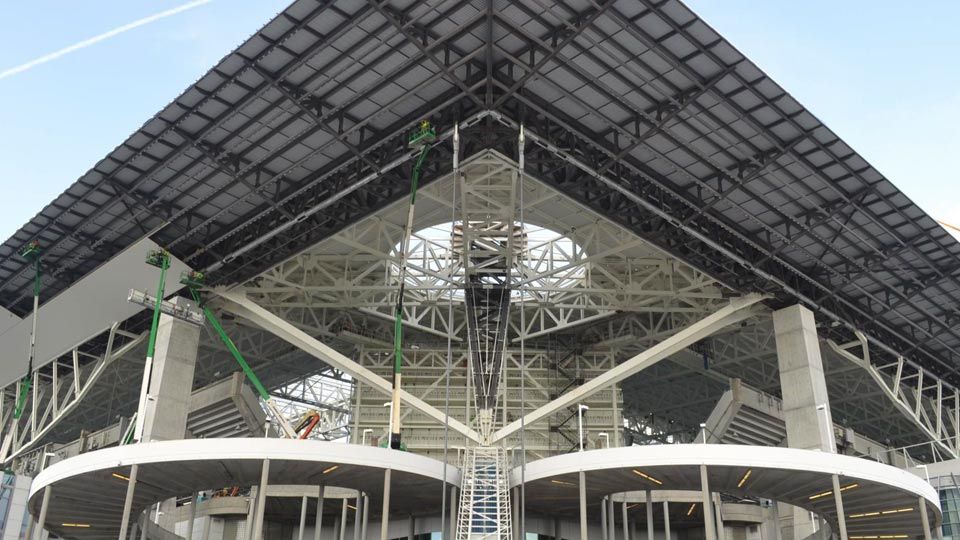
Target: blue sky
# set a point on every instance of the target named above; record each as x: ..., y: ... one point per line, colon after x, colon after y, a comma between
x: 882, y: 74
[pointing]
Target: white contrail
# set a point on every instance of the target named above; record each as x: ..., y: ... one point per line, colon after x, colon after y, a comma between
x: 97, y: 39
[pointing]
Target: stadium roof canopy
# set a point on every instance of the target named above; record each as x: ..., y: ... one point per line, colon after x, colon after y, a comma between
x: 637, y: 108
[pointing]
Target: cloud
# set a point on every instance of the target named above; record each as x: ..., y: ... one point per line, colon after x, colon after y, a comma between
x: 101, y: 37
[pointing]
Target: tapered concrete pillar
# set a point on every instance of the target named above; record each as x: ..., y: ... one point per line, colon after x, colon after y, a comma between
x: 127, y: 501
x: 612, y: 517
x: 583, y: 506
x: 924, y: 519
x: 319, y: 520
x: 358, y: 516
x: 343, y: 518
x: 806, y: 406
x: 366, y: 516
x: 453, y: 512
x: 603, y: 519
x: 385, y: 517
x: 841, y: 517
x: 42, y: 518
x: 710, y: 532
x: 193, y: 516
x: 666, y: 520
x: 171, y: 379
x: 261, y: 501
x: 626, y: 520
x: 650, y: 515
x: 303, y: 518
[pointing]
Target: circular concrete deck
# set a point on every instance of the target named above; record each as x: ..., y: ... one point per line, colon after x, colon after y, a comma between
x: 89, y: 489
x: 798, y: 477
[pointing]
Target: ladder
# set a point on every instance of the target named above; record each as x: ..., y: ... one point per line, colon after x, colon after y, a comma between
x: 485, y: 500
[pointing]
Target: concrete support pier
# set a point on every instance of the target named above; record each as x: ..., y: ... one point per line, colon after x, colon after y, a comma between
x: 171, y: 380
x: 806, y: 406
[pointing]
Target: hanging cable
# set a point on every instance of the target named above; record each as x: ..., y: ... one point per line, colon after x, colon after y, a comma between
x: 446, y: 397
x: 523, y: 331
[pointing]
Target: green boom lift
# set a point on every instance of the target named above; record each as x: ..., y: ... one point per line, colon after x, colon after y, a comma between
x: 421, y: 139
x: 194, y: 281
x: 30, y: 252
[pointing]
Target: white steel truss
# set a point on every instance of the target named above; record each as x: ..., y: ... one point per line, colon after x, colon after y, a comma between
x: 929, y: 403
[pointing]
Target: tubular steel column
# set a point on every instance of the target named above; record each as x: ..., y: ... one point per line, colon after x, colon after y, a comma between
x: 924, y: 519
x: 838, y: 500
x: 385, y: 520
x: 626, y: 521
x: 127, y: 501
x: 708, y: 525
x: 603, y: 519
x: 343, y: 518
x: 583, y: 506
x: 261, y: 501
x: 650, y: 515
x: 303, y: 516
x: 319, y: 524
x: 411, y: 527
x: 556, y: 528
x: 42, y: 518
x: 205, y: 535
x: 666, y: 519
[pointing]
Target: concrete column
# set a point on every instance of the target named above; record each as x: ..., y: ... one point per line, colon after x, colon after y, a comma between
x: 583, y: 506
x: 612, y: 517
x: 650, y: 515
x: 721, y: 534
x: 171, y: 379
x: 385, y: 520
x: 924, y: 519
x: 515, y: 513
x: 251, y: 512
x: 193, y: 516
x: 343, y: 518
x: 556, y: 528
x: 366, y: 516
x: 411, y: 527
x: 708, y: 526
x: 453, y: 513
x: 357, y: 516
x: 777, y: 533
x: 319, y: 521
x: 666, y: 520
x: 143, y: 528
x: 205, y: 535
x: 626, y: 520
x: 261, y: 501
x: 841, y: 517
x: 806, y: 407
x: 336, y: 527
x: 42, y: 518
x: 127, y: 501
x: 303, y: 517
x: 603, y: 519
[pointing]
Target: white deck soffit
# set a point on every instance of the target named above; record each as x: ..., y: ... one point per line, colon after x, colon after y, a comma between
x: 784, y: 474
x: 90, y: 488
